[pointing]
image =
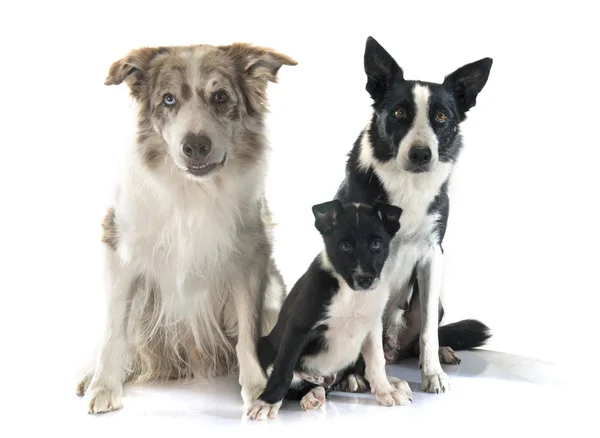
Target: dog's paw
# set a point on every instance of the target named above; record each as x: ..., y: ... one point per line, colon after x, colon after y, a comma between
x: 399, y: 393
x: 83, y: 384
x: 314, y: 399
x: 353, y: 383
x: 102, y: 398
x: 435, y: 382
x: 260, y: 410
x: 250, y: 393
x: 448, y: 356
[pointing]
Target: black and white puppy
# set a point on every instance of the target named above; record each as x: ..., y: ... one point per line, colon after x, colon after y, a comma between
x: 405, y: 157
x: 334, y: 312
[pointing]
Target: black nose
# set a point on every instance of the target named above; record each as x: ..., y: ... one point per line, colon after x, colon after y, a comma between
x: 196, y: 147
x: 364, y: 281
x: 419, y: 155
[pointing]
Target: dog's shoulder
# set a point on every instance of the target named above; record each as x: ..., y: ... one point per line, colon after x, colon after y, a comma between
x: 306, y: 303
x: 361, y: 184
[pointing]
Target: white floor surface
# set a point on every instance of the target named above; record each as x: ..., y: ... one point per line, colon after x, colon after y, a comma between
x: 491, y: 393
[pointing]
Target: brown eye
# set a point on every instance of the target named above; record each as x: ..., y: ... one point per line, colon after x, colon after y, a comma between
x: 440, y: 117
x: 400, y: 113
x: 220, y: 97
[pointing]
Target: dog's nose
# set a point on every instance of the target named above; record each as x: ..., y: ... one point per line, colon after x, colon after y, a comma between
x: 420, y: 155
x: 364, y: 281
x: 196, y: 147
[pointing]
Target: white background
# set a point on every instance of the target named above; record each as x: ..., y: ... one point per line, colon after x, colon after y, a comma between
x: 522, y: 244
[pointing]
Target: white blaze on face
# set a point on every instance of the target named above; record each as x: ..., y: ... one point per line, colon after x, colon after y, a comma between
x: 421, y: 132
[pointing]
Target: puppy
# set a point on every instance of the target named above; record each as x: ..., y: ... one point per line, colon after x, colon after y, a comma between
x: 334, y: 313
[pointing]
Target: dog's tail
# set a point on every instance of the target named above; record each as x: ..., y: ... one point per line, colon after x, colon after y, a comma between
x: 461, y: 335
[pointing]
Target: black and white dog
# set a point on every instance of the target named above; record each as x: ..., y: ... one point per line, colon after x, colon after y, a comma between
x: 405, y: 157
x: 334, y: 313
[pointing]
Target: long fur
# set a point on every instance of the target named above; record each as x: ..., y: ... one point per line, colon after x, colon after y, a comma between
x: 191, y: 281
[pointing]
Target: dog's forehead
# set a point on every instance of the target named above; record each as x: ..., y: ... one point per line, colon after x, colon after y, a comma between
x: 418, y: 93
x: 360, y: 220
x: 199, y: 64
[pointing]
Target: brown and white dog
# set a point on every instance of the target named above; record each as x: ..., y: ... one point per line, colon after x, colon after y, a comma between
x: 190, y: 279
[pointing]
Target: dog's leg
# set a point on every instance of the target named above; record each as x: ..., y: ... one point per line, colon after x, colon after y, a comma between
x: 281, y: 377
x: 105, y: 387
x: 248, y: 302
x: 386, y: 394
x: 430, y: 273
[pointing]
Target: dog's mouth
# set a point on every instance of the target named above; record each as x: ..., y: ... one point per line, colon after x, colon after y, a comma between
x: 416, y: 168
x: 365, y: 287
x: 205, y: 169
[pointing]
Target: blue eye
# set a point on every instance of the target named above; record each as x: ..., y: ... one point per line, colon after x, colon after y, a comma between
x: 169, y: 99
x: 376, y: 244
x: 345, y: 246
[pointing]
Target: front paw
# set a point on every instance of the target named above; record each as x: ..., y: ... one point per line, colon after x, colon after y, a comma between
x: 103, y: 398
x: 261, y: 410
x: 435, y: 382
x: 251, y: 392
x: 399, y: 395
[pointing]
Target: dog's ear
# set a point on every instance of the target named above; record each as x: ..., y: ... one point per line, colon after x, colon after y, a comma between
x: 258, y: 66
x: 327, y: 214
x: 259, y: 63
x: 381, y: 69
x: 466, y: 82
x: 131, y: 68
x: 390, y: 215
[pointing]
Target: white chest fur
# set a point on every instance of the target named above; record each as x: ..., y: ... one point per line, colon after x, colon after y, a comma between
x: 414, y: 193
x: 181, y: 234
x: 350, y: 317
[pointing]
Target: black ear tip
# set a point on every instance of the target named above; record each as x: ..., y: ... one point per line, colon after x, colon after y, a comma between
x: 372, y: 42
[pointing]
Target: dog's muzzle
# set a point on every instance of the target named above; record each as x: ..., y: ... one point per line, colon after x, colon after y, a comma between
x: 196, y: 150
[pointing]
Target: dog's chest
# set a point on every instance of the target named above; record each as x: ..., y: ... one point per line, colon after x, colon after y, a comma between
x: 414, y: 193
x: 350, y: 317
x: 177, y: 243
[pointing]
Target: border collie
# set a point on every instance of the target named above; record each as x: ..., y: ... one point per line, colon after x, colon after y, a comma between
x: 190, y: 279
x: 404, y: 156
x: 334, y: 313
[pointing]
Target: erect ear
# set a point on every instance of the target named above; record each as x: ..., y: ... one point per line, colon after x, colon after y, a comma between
x: 131, y: 68
x: 260, y: 63
x: 468, y: 81
x: 381, y: 69
x: 390, y: 215
x: 327, y: 214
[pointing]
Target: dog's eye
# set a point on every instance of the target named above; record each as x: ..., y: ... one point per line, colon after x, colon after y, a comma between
x: 345, y: 246
x: 376, y: 244
x: 219, y: 97
x: 169, y: 99
x: 400, y: 113
x: 441, y: 116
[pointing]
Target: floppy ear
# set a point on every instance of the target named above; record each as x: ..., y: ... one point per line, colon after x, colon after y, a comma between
x: 390, y: 215
x: 259, y: 63
x: 326, y: 215
x: 381, y: 69
x: 131, y: 68
x: 468, y: 81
